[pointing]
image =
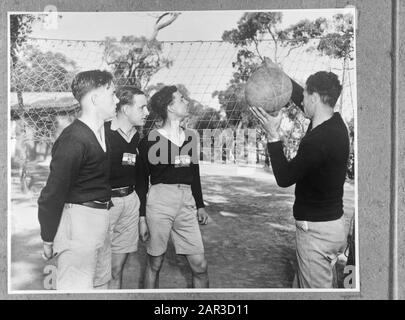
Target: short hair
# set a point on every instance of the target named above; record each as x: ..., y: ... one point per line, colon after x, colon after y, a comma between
x: 126, y: 95
x: 86, y: 81
x: 161, y: 99
x: 326, y: 84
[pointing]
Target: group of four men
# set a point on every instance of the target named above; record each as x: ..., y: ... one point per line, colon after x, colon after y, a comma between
x: 107, y: 187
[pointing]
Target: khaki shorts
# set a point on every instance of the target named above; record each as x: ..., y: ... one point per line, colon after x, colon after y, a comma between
x: 124, y: 220
x: 83, y: 248
x: 171, y: 211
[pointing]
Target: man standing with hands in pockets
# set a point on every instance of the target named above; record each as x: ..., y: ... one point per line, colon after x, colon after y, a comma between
x: 319, y: 172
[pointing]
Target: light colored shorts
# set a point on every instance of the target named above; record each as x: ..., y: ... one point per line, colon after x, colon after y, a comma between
x: 83, y: 248
x: 318, y: 247
x: 124, y: 221
x: 171, y: 211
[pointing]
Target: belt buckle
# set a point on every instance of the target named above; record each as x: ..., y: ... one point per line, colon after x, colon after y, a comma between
x: 104, y: 205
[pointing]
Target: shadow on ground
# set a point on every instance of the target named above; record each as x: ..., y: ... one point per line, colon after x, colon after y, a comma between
x: 249, y: 240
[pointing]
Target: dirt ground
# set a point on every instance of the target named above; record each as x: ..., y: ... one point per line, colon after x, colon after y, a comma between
x: 249, y: 240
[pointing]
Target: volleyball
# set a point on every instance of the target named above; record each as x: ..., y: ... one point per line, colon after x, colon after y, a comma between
x: 268, y: 87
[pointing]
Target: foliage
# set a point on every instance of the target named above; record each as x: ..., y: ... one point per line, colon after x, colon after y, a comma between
x: 252, y: 27
x: 293, y: 127
x: 302, y: 33
x: 38, y: 71
x: 234, y: 105
x: 134, y: 60
x: 333, y: 38
x: 339, y: 44
x: 20, y: 28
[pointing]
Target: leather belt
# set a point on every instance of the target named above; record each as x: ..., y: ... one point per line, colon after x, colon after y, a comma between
x: 98, y: 204
x: 122, y: 192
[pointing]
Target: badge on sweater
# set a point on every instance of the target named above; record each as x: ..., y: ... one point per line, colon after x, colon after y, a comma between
x: 128, y: 159
x: 182, y: 161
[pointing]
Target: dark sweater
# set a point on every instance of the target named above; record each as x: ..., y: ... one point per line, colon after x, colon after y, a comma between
x: 159, y: 160
x: 122, y: 173
x: 318, y: 170
x: 79, y: 172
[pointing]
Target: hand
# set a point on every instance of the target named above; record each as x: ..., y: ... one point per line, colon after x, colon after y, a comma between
x: 270, y: 124
x: 47, y: 253
x: 202, y: 216
x: 143, y: 229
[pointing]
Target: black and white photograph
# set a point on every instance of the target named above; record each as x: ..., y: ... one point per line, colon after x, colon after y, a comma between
x: 185, y: 151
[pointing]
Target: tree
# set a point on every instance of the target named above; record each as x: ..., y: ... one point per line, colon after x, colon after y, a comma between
x: 136, y: 59
x: 254, y: 32
x: 256, y: 28
x: 20, y: 28
x: 252, y: 29
x: 339, y: 43
x: 39, y: 71
x: 234, y: 105
x: 333, y: 38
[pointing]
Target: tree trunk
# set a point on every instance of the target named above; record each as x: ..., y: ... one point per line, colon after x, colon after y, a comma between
x: 47, y: 149
x: 24, y: 175
x: 343, y: 83
x: 24, y: 160
x: 20, y: 99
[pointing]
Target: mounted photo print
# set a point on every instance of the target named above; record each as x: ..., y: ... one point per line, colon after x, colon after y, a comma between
x: 190, y: 151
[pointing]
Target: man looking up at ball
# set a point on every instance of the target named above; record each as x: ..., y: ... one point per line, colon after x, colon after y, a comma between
x: 173, y: 204
x: 318, y: 171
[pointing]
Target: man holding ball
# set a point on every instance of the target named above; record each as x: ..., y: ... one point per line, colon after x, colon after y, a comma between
x: 319, y: 172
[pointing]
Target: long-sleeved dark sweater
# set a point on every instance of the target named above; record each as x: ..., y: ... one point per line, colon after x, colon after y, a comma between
x: 318, y: 170
x: 159, y: 160
x: 79, y: 172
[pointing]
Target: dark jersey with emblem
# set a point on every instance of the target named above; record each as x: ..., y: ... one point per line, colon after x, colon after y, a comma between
x: 123, y: 158
x: 164, y: 162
